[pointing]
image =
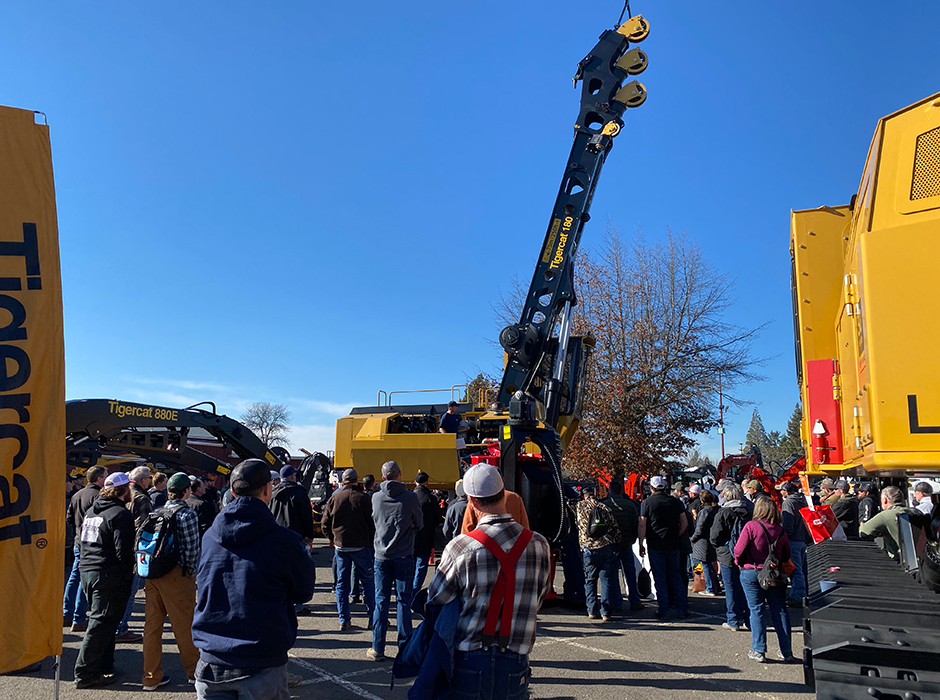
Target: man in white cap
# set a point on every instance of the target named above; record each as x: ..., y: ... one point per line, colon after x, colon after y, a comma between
x: 493, y: 641
x: 107, y: 570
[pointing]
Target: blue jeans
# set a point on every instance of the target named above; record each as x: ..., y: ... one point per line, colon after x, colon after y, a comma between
x: 422, y: 561
x: 735, y: 602
x: 628, y: 566
x: 135, y: 586
x: 776, y: 599
x: 361, y: 563
x: 74, y: 603
x: 600, y: 563
x: 490, y: 675
x: 269, y: 684
x: 711, y: 576
x: 402, y: 572
x: 671, y: 581
x: 798, y: 579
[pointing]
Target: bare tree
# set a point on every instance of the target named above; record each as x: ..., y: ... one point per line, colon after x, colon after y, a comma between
x: 269, y: 421
x: 657, y: 312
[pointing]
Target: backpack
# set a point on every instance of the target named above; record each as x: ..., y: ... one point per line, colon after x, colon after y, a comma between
x: 771, y: 575
x: 157, y: 549
x: 736, y: 528
x: 596, y: 525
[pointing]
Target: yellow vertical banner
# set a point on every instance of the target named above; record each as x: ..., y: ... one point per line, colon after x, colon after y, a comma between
x: 32, y: 397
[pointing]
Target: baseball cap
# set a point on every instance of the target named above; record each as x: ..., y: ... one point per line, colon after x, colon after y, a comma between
x: 482, y: 480
x: 923, y: 487
x: 116, y: 479
x: 841, y: 484
x: 827, y: 482
x: 421, y: 478
x: 192, y: 478
x: 287, y: 471
x: 657, y: 483
x: 458, y: 488
x: 865, y: 487
x: 695, y: 488
x: 752, y: 484
x: 389, y: 468
x: 788, y: 486
x: 249, y: 475
x: 178, y: 483
x: 350, y: 476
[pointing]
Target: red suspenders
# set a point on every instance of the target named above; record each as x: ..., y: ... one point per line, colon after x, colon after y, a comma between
x: 505, y: 588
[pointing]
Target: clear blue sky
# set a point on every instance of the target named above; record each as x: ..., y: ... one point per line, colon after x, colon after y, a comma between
x: 306, y: 202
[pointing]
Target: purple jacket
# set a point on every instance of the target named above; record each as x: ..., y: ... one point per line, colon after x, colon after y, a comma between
x: 752, y: 548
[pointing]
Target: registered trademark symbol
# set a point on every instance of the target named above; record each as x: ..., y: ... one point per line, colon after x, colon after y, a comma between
x: 42, y: 542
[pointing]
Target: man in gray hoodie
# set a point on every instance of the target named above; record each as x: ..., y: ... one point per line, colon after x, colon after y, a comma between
x: 397, y: 515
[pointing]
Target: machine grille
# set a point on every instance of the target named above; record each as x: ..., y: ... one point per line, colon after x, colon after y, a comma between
x: 926, y: 181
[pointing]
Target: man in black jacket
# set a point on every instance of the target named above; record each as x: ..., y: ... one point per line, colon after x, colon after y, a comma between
x: 845, y: 508
x: 626, y: 513
x: 292, y: 509
x: 868, y: 502
x: 424, y: 538
x: 800, y: 539
x: 204, y: 509
x: 107, y: 569
x: 74, y: 605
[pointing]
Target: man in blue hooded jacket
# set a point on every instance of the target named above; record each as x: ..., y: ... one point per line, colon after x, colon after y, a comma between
x: 251, y: 574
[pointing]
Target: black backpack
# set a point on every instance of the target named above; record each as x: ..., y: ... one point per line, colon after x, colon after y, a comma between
x: 157, y: 549
x: 771, y: 575
x: 596, y: 526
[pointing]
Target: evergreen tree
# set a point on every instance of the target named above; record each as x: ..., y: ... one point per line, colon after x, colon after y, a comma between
x: 794, y: 441
x: 756, y: 434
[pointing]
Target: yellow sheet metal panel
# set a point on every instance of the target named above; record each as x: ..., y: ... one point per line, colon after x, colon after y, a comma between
x: 901, y: 312
x: 817, y: 244
x: 363, y: 442
x: 908, y: 172
x: 885, y: 301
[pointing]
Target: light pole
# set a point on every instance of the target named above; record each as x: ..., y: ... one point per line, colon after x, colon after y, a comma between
x: 721, y: 417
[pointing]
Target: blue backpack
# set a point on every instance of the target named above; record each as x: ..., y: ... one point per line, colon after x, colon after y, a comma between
x: 157, y: 550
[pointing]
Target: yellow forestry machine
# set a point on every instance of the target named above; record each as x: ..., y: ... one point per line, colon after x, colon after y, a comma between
x: 537, y: 408
x: 866, y: 300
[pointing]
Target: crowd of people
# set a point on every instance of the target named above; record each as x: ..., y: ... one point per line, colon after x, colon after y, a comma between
x: 241, y: 569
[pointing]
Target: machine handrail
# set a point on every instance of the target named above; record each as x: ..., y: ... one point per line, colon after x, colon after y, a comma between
x: 455, y: 387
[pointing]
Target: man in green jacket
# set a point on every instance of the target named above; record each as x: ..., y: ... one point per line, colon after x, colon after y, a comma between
x: 885, y: 523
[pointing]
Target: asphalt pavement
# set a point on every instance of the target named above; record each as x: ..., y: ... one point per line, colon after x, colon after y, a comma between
x: 635, y: 656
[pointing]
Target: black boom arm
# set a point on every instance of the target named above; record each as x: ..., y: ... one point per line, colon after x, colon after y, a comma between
x: 604, y: 98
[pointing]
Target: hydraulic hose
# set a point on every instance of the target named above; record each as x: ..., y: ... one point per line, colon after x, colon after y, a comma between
x: 554, y: 463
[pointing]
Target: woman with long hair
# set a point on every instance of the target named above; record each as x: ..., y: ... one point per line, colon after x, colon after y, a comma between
x: 703, y: 551
x: 765, y: 530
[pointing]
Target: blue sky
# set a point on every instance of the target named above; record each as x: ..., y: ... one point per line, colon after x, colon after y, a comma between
x: 306, y: 202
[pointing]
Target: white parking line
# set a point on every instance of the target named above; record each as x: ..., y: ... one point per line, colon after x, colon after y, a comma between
x: 333, y: 678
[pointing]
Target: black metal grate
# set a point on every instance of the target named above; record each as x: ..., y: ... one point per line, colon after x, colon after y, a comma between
x: 926, y: 181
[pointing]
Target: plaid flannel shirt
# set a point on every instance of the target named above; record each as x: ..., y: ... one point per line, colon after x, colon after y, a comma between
x: 468, y: 571
x: 187, y: 527
x: 583, y: 513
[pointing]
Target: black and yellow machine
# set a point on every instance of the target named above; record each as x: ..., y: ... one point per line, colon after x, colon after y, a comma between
x: 866, y: 287
x: 537, y: 408
x: 95, y: 427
